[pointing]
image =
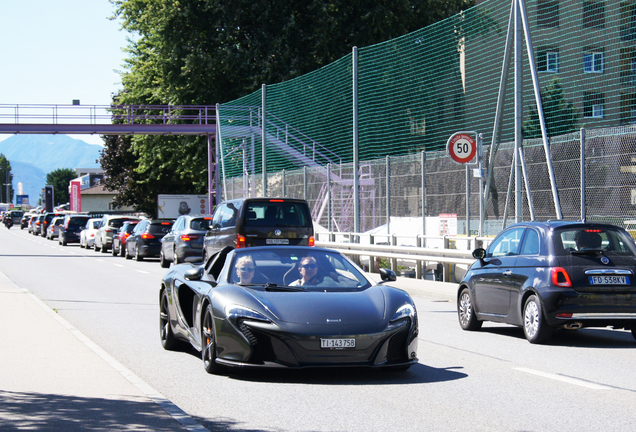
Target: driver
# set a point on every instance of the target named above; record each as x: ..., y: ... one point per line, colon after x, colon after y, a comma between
x: 308, y: 269
x: 587, y: 240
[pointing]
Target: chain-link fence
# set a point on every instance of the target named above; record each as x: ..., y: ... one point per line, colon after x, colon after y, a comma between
x: 610, y: 185
x: 415, y: 91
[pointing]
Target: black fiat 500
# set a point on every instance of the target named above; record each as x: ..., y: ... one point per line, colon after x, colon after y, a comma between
x: 547, y: 275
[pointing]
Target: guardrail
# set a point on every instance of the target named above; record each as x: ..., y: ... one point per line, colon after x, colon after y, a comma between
x: 440, y: 260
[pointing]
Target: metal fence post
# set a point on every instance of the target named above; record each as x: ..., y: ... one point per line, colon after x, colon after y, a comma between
x: 284, y: 179
x: 264, y: 137
x: 388, y: 195
x: 329, y: 228
x: 583, y: 204
x: 423, y: 199
x: 305, y: 183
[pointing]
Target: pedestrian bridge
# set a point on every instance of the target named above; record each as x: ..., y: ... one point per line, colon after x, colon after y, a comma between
x: 108, y: 119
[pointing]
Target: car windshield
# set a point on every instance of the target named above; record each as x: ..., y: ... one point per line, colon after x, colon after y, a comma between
x: 277, y: 214
x: 315, y: 270
x: 582, y: 239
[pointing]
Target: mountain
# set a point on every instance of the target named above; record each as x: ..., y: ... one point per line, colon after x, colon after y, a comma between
x: 32, y: 157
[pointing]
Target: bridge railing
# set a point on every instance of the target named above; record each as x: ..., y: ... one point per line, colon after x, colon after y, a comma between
x: 106, y: 114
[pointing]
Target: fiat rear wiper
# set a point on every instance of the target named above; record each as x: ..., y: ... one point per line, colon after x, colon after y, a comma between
x: 274, y: 287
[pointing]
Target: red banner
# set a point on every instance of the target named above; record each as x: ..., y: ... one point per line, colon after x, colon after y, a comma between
x: 76, y: 196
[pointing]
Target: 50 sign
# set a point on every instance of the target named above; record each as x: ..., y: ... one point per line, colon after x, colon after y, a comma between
x: 461, y: 147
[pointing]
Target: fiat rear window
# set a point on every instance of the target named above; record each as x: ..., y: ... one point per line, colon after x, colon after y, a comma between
x: 610, y: 241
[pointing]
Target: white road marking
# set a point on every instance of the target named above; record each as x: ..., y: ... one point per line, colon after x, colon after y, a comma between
x: 565, y: 379
x: 144, y: 272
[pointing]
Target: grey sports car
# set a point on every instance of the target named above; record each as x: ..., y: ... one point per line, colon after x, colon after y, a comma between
x: 286, y: 307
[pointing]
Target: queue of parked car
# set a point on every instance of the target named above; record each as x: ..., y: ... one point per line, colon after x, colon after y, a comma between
x: 236, y: 223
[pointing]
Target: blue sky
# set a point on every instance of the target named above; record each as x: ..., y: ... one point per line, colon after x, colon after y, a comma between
x: 54, y: 51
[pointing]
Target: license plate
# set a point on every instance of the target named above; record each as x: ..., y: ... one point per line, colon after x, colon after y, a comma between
x: 609, y: 280
x: 277, y: 241
x: 338, y: 343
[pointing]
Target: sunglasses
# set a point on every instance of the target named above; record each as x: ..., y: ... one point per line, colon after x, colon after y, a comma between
x: 309, y: 266
x: 246, y: 269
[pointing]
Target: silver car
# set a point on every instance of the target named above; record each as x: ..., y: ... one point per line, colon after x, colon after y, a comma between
x: 53, y: 229
x: 87, y: 236
x: 108, y: 226
x: 184, y: 242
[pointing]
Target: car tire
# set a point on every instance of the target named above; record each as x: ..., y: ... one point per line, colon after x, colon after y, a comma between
x: 535, y: 327
x: 113, y: 251
x: 104, y: 249
x: 137, y: 256
x: 162, y: 260
x: 208, y: 343
x: 127, y: 254
x: 168, y: 340
x: 122, y: 250
x: 175, y: 257
x: 466, y: 312
x: 95, y: 248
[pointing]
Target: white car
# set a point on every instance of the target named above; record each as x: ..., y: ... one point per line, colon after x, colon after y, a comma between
x: 87, y: 236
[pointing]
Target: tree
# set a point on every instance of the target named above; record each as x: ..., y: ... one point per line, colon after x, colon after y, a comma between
x: 6, y: 178
x: 560, y: 115
x: 203, y: 52
x: 60, y: 179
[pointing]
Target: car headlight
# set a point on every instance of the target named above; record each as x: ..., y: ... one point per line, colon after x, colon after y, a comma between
x: 405, y: 311
x: 236, y: 312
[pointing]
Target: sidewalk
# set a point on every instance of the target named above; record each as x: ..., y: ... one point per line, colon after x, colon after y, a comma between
x: 53, y: 378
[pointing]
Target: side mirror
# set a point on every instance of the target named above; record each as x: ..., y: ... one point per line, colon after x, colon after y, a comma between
x: 480, y: 254
x: 194, y: 274
x: 387, y: 275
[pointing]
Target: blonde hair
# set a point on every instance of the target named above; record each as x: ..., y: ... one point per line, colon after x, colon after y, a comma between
x: 245, y: 259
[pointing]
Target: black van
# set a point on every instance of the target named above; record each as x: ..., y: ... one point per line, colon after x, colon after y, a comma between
x: 249, y: 222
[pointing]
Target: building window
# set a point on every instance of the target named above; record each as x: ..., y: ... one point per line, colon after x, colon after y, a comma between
x: 594, y: 14
x: 548, y: 13
x: 628, y: 21
x: 628, y: 66
x: 594, y: 62
x: 628, y: 108
x: 594, y: 105
x: 548, y: 60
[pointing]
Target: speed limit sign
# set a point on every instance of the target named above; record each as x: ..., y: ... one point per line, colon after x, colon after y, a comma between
x: 461, y: 148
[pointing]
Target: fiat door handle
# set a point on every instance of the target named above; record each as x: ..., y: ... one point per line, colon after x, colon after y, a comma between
x: 507, y: 273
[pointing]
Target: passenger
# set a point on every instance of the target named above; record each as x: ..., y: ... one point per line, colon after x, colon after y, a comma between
x: 245, y: 269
